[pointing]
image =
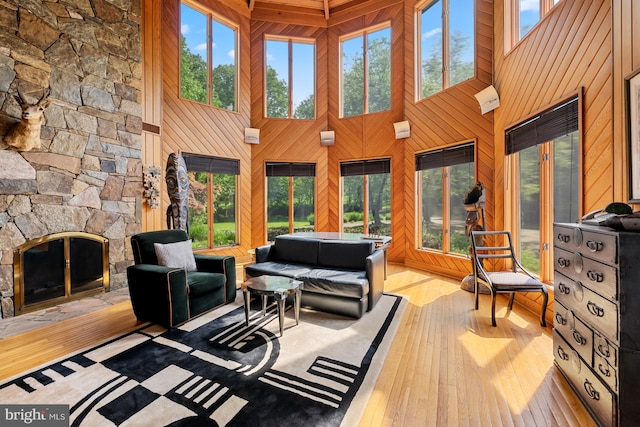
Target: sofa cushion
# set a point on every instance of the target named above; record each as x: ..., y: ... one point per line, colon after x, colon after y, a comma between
x: 201, y: 283
x: 295, y: 250
x: 176, y: 255
x: 275, y: 268
x: 347, y: 254
x: 345, y: 283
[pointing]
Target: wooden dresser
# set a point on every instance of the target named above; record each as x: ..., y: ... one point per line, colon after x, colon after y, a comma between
x: 596, y: 336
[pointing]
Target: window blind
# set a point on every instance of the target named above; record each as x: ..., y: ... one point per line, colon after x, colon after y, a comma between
x: 552, y: 123
x: 198, y: 163
x: 365, y: 167
x: 451, y: 156
x: 291, y: 169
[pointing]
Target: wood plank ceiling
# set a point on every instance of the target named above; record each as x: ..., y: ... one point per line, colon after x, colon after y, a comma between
x: 323, y: 6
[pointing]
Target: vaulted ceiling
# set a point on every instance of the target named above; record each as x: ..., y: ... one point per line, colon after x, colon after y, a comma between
x: 322, y: 6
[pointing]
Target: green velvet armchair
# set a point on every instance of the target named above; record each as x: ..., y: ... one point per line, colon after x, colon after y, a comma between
x: 169, y: 295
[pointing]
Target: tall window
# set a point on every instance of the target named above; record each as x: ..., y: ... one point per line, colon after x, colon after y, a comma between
x: 290, y: 78
x: 208, y: 65
x: 444, y: 177
x: 212, y: 200
x: 366, y: 71
x: 366, y: 196
x: 523, y: 16
x: 544, y: 168
x: 290, y: 198
x: 445, y: 44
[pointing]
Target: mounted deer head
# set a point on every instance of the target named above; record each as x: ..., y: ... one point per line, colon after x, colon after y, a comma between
x: 25, y: 135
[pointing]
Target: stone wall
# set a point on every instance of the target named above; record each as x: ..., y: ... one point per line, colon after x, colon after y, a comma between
x: 87, y: 174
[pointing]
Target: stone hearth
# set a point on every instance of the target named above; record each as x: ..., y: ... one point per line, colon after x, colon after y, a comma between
x: 87, y: 175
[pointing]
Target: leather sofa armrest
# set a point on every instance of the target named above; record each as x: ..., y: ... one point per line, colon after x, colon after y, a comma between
x: 225, y: 264
x: 159, y: 294
x: 375, y: 275
x: 263, y: 253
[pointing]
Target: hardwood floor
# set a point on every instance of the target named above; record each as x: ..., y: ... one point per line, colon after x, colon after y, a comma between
x: 447, y: 366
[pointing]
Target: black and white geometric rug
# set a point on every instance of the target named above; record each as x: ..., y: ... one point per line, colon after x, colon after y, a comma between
x: 215, y: 371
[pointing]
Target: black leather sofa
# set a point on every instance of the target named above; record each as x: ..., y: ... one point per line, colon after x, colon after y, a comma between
x: 340, y: 276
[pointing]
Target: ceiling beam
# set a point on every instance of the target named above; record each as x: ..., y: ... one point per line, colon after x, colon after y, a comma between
x: 252, y: 4
x: 326, y: 9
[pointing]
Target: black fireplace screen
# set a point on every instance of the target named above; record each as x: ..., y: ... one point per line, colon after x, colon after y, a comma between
x: 59, y: 267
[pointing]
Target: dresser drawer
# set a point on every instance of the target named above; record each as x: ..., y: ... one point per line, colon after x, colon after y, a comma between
x: 576, y: 333
x: 600, y: 277
x: 590, y: 307
x: 606, y: 372
x: 589, y: 242
x: 584, y: 381
x: 603, y: 348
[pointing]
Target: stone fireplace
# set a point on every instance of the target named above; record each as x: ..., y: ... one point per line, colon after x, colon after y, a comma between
x: 87, y: 175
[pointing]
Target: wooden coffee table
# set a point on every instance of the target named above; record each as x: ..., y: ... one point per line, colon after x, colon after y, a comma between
x: 277, y: 287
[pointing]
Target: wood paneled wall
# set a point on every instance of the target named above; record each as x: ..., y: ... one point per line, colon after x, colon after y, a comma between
x: 447, y: 118
x: 579, y: 46
x: 192, y: 127
x: 287, y: 140
x: 569, y: 51
x: 626, y: 59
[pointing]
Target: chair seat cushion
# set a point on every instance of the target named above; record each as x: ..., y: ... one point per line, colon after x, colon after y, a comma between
x: 202, y: 283
x: 275, y: 268
x: 345, y: 283
x: 508, y: 278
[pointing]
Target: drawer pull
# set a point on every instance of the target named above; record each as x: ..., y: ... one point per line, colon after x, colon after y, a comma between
x: 604, y: 370
x: 595, y: 276
x: 564, y: 289
x: 591, y: 391
x: 594, y: 309
x: 564, y: 238
x: 594, y: 246
x: 563, y: 262
x: 604, y: 351
x: 560, y: 320
x: 562, y: 354
x: 579, y: 338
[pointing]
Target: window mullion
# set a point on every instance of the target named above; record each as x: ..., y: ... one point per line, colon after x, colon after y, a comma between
x: 210, y: 208
x: 209, y: 60
x: 446, y: 65
x: 365, y: 203
x: 290, y: 85
x: 365, y: 73
x: 446, y: 211
x: 291, y: 207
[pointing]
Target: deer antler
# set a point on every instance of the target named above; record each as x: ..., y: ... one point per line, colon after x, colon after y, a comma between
x: 45, y: 96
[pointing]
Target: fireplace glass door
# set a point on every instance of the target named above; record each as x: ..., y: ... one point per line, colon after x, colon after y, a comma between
x: 59, y: 267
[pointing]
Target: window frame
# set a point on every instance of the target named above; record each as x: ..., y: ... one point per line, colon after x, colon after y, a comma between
x: 290, y: 170
x: 546, y: 164
x: 364, y: 32
x: 290, y: 78
x: 512, y: 36
x: 446, y: 194
x: 446, y: 35
x: 216, y: 166
x: 210, y: 17
x: 367, y: 167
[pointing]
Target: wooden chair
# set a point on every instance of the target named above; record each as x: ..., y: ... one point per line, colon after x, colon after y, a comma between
x: 496, y: 267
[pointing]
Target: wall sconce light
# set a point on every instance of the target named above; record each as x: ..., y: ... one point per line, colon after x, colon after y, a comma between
x: 488, y: 99
x: 252, y: 135
x: 327, y: 137
x: 402, y: 129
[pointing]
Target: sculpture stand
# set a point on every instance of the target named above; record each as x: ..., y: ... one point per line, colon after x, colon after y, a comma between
x: 475, y: 221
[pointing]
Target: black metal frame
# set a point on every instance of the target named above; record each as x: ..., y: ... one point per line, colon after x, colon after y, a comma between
x: 503, y: 251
